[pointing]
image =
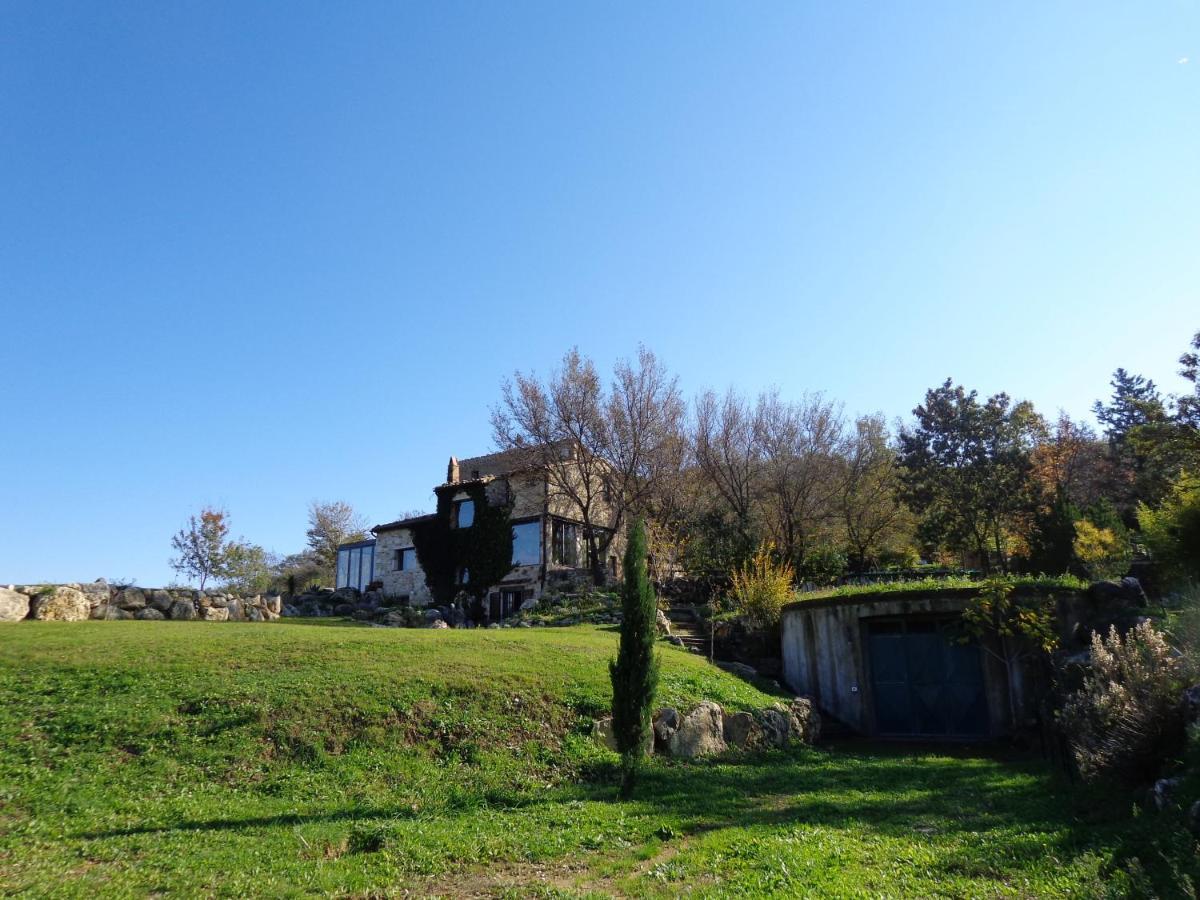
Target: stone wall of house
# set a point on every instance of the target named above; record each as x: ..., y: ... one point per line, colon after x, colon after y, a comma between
x: 99, y: 600
x: 397, y: 583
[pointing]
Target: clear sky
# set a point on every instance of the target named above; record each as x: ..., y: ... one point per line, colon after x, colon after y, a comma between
x: 253, y: 254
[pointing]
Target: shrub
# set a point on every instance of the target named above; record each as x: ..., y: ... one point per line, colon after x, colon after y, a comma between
x: 1102, y: 552
x: 1172, y: 529
x: 1127, y: 717
x: 761, y: 587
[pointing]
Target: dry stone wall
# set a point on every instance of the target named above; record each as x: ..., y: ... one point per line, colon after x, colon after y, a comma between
x: 100, y: 600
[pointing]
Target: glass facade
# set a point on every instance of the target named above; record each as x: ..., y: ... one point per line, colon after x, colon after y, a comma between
x: 527, y: 544
x: 566, y: 543
x: 356, y: 565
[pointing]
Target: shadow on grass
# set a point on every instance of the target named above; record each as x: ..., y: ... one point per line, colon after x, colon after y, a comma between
x: 913, y: 793
x: 288, y: 820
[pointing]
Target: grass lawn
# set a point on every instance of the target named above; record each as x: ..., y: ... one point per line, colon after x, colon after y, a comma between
x: 283, y: 759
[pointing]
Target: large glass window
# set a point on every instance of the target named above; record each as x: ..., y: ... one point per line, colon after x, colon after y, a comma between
x: 464, y: 513
x: 356, y: 566
x: 566, y: 543
x: 527, y: 544
x: 366, y: 572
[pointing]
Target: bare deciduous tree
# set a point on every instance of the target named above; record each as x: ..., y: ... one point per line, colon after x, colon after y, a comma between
x: 799, y: 442
x: 726, y: 449
x: 869, y: 501
x: 331, y: 524
x: 606, y: 453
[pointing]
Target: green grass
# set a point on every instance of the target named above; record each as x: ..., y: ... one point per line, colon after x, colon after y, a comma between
x: 956, y: 583
x: 286, y: 760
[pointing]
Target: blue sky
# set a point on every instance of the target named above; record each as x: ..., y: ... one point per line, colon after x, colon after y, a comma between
x: 253, y: 254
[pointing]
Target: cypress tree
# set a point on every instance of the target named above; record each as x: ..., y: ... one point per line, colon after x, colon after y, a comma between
x: 635, y: 670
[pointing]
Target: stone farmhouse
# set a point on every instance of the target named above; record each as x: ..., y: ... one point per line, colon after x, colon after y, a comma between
x: 549, y: 548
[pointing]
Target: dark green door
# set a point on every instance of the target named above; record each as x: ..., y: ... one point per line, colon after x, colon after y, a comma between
x: 924, y: 680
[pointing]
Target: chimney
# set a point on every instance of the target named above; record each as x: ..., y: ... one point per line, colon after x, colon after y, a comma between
x: 452, y: 471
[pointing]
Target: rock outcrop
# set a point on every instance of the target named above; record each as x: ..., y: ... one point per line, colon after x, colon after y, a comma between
x: 99, y: 600
x: 700, y: 733
x: 60, y: 604
x: 743, y: 730
x: 14, y: 606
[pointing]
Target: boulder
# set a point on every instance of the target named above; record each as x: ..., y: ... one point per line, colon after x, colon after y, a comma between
x: 432, y: 615
x: 160, y: 600
x: 344, y: 609
x: 14, y: 606
x: 149, y: 614
x: 742, y: 730
x: 221, y: 602
x: 769, y: 666
x: 181, y: 610
x: 97, y: 592
x: 775, y: 727
x: 61, y: 604
x: 700, y: 733
x: 605, y: 736
x: 666, y: 722
x: 111, y: 611
x: 236, y: 610
x: 741, y: 670
x: 528, y: 604
x: 130, y: 598
x: 440, y: 623
x: 254, y: 614
x: 804, y: 721
x: 663, y: 623
x: 274, y: 603
x: 214, y: 614
x: 394, y: 619
x: 289, y: 610
x: 1163, y: 792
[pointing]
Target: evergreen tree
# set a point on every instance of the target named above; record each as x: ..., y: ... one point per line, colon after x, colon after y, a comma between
x: 1052, y: 537
x: 965, y: 468
x: 635, y: 670
x: 1135, y: 402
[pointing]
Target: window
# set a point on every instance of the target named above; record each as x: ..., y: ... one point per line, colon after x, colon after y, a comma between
x: 356, y: 566
x: 406, y: 559
x: 566, y: 543
x: 527, y: 544
x: 464, y: 513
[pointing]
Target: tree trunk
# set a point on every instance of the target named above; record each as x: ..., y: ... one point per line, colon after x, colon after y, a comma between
x: 597, y: 565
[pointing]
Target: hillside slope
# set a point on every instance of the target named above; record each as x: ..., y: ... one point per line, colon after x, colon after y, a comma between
x: 289, y: 759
